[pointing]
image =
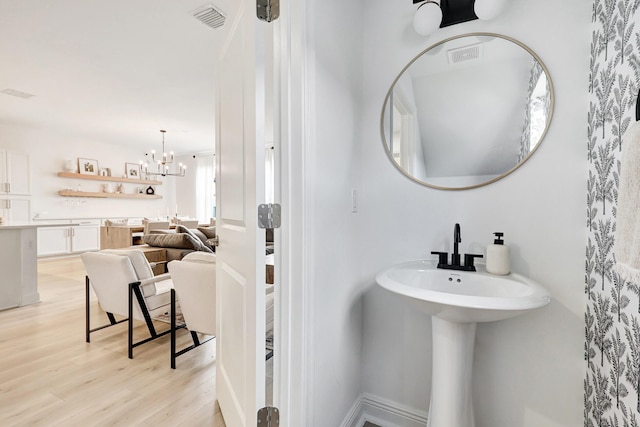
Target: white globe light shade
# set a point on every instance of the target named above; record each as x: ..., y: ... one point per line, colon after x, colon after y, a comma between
x: 488, y: 9
x: 427, y: 18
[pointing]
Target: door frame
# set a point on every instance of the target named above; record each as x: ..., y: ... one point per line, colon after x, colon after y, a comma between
x: 293, y: 367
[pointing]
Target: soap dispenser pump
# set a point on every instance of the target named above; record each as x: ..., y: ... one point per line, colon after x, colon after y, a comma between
x: 498, y: 258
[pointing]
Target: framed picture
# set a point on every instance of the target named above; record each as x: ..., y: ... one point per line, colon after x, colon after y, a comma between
x: 103, y: 172
x: 133, y: 170
x: 88, y: 166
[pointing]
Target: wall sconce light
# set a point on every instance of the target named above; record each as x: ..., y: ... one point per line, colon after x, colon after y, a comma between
x: 427, y: 18
x: 434, y: 14
x: 488, y: 9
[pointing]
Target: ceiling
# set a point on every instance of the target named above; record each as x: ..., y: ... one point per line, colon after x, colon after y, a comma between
x: 112, y: 71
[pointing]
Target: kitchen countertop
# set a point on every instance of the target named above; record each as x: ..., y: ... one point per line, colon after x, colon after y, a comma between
x: 8, y: 225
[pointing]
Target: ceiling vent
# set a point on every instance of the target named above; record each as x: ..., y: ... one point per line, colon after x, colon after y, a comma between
x: 19, y: 94
x: 209, y: 16
x: 466, y: 53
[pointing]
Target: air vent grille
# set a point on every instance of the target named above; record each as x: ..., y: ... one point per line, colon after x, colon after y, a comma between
x: 18, y: 93
x: 209, y: 16
x: 466, y: 53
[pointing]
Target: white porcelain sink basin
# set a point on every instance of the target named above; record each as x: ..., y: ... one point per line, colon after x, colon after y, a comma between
x: 457, y: 300
x: 461, y: 296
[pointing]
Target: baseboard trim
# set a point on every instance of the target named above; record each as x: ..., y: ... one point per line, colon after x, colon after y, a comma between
x: 30, y: 299
x: 383, y: 412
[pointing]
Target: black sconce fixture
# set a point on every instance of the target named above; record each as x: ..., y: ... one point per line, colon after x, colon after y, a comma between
x: 455, y: 11
x: 434, y: 14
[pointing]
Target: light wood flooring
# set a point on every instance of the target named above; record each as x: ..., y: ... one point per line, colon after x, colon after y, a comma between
x: 49, y: 376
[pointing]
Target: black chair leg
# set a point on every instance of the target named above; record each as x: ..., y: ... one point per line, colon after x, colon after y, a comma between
x: 87, y: 312
x: 194, y: 337
x: 130, y: 323
x: 110, y: 316
x: 173, y: 329
x: 143, y: 307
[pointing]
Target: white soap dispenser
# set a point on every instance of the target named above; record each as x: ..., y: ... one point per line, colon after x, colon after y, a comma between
x: 498, y: 258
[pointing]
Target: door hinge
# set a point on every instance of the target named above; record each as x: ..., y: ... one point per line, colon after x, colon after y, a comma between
x: 268, y: 10
x: 269, y: 215
x: 268, y: 417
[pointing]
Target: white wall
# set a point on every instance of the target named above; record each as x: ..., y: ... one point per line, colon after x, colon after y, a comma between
x: 48, y: 151
x: 335, y: 301
x: 528, y: 370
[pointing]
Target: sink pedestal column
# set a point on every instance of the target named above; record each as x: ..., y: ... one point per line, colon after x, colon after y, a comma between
x: 453, y: 345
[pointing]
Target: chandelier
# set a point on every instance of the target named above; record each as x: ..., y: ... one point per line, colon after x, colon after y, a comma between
x: 163, y: 163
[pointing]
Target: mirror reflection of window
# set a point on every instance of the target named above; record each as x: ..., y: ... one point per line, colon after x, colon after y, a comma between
x: 403, y: 145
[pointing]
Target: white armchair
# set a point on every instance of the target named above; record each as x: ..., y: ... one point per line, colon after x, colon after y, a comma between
x: 194, y: 279
x: 125, y: 286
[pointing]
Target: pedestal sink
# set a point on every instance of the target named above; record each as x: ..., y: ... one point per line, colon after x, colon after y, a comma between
x: 457, y: 300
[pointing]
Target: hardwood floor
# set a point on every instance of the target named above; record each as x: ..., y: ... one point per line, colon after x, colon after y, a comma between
x: 49, y: 376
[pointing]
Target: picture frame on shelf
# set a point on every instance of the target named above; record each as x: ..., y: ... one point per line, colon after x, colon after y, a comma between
x: 87, y: 166
x: 105, y: 172
x: 133, y: 170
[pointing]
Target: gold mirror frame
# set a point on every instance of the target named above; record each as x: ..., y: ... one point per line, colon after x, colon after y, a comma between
x: 386, y: 145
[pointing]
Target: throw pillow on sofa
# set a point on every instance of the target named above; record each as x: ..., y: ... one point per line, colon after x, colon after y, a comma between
x: 175, y: 240
x: 210, y: 232
x: 197, y: 233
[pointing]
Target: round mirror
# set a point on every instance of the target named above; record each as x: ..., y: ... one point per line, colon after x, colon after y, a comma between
x: 467, y: 111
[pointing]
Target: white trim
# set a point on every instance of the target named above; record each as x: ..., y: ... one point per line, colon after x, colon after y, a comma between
x: 355, y: 416
x: 383, y: 412
x: 293, y: 387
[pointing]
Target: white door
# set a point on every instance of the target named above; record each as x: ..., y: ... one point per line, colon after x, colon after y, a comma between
x: 240, y: 277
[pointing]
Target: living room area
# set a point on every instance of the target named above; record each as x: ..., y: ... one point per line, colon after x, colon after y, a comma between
x: 48, y: 364
x: 100, y: 136
x: 50, y: 375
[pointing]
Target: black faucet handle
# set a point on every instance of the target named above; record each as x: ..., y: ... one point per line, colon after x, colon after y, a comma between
x: 442, y: 257
x: 468, y: 261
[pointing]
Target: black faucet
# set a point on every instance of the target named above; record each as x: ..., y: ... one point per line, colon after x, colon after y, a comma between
x: 455, y: 256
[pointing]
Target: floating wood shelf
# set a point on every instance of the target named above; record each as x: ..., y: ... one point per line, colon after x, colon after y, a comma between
x: 108, y: 178
x: 103, y: 195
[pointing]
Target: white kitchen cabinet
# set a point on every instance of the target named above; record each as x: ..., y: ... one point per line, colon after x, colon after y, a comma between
x: 54, y: 241
x: 15, y: 209
x: 69, y: 239
x: 15, y: 174
x: 85, y: 237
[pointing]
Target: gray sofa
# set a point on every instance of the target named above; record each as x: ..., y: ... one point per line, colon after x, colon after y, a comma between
x: 181, y: 241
